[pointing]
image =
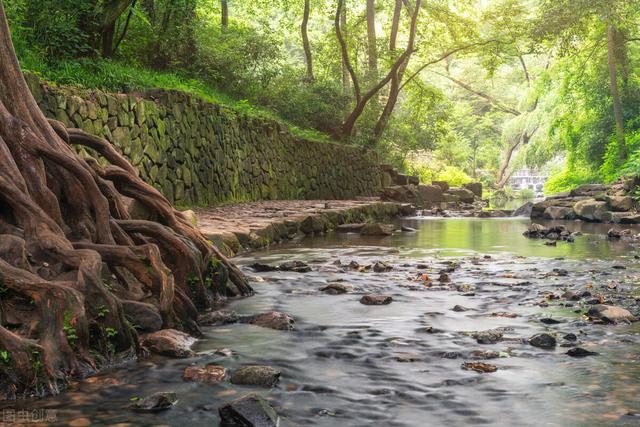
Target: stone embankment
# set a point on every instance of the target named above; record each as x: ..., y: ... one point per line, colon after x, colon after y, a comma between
x: 255, y: 225
x: 592, y: 202
x: 200, y: 154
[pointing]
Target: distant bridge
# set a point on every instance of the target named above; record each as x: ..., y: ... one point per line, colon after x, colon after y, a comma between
x: 528, y: 178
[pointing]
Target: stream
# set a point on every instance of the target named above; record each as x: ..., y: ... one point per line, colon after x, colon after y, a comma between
x: 400, y: 365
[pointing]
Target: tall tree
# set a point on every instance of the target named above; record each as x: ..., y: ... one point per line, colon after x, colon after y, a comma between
x: 363, y: 99
x: 305, y: 40
x: 64, y: 227
x: 224, y: 12
x: 615, y: 92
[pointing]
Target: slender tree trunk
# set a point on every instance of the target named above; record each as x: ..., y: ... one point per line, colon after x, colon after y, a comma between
x: 371, y: 38
x: 64, y: 228
x: 224, y: 8
x: 615, y: 94
x: 362, y: 101
x: 305, y: 40
x: 346, y: 82
x: 396, y: 79
x: 395, y: 25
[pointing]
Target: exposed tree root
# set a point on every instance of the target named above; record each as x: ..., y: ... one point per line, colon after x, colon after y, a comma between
x: 71, y: 251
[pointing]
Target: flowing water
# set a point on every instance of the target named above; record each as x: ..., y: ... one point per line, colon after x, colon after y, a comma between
x: 348, y: 364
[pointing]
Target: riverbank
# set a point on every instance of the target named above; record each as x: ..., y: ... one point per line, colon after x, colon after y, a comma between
x: 237, y: 227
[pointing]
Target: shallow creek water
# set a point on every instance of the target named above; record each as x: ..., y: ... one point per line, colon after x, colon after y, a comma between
x: 346, y: 363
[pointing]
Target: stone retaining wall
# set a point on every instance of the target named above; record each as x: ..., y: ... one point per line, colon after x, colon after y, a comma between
x: 198, y: 153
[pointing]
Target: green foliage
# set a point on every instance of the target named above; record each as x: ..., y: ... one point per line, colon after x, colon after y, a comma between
x: 102, y: 311
x: 111, y: 332
x: 68, y: 328
x: 454, y: 176
x: 5, y: 357
x: 570, y: 178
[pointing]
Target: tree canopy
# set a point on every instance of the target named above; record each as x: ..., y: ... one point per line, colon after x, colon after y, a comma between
x: 458, y: 88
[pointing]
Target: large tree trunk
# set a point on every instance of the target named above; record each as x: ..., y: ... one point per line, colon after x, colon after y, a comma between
x: 111, y: 11
x: 615, y: 93
x: 70, y: 253
x: 305, y: 40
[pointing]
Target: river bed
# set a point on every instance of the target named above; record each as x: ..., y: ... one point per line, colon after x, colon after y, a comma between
x: 400, y: 365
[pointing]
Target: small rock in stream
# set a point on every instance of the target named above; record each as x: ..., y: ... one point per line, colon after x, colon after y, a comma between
x: 255, y: 375
x: 580, y: 352
x: 610, y: 314
x: 376, y: 300
x: 272, y: 320
x: 295, y: 266
x: 407, y: 229
x: 337, y: 288
x: 571, y: 337
x: 218, y: 317
x: 157, y: 402
x: 550, y: 321
x: 444, y: 278
x: 251, y: 410
x: 486, y: 354
x: 381, y: 267
x: 480, y: 367
x: 168, y: 342
x: 459, y: 308
x: 210, y: 374
x: 545, y: 341
x: 263, y: 268
x: 491, y: 336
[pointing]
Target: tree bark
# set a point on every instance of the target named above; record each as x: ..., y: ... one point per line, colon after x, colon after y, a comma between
x: 111, y: 11
x: 371, y: 38
x: 224, y: 11
x: 305, y: 41
x: 615, y: 93
x: 70, y: 253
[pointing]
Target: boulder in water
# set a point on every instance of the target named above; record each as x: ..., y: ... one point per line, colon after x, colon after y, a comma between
x: 272, y: 320
x: 610, y: 314
x: 590, y: 210
x: 251, y: 410
x: 156, y: 402
x: 168, y: 342
x: 545, y: 341
x: 256, y: 375
x: 210, y: 374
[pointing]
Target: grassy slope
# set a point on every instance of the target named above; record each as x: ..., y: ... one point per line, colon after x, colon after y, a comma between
x: 113, y: 76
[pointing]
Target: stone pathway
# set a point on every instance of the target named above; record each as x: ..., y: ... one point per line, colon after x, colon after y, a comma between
x: 257, y: 224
